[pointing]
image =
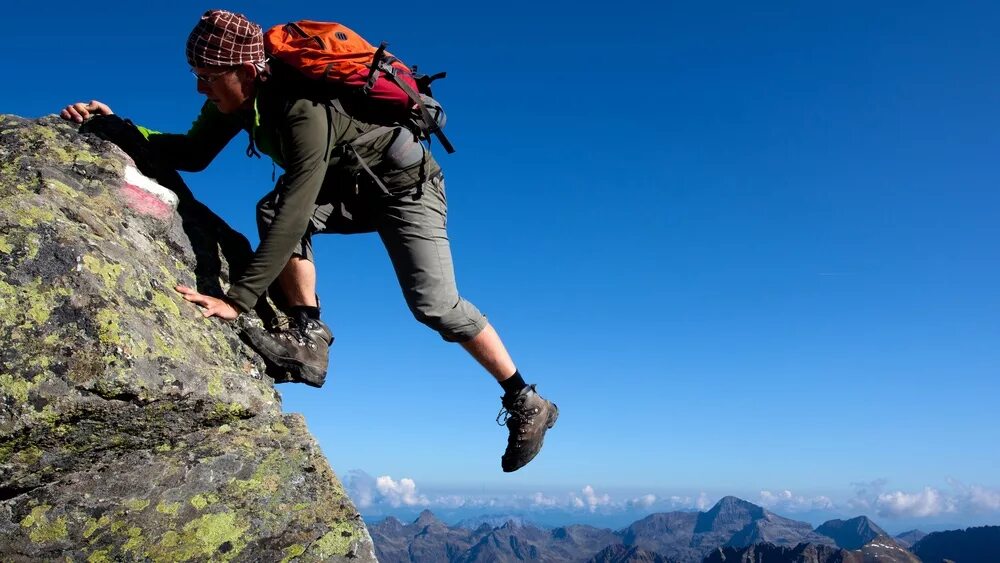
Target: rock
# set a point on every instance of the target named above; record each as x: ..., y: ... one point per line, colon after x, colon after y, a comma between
x: 132, y: 428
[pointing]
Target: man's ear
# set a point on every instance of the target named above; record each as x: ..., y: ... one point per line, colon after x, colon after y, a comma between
x: 248, y: 72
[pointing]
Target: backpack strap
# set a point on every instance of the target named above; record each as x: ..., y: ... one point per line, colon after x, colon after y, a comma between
x: 432, y: 125
x: 361, y: 140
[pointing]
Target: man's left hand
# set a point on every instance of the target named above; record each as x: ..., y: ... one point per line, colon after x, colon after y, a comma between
x: 223, y: 308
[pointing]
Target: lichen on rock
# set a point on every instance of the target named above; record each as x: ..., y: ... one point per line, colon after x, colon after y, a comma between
x: 132, y: 428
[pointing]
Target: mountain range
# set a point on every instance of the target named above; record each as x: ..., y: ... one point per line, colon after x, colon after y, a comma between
x: 733, y: 530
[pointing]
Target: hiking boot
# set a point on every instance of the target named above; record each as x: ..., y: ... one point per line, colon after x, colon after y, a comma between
x: 298, y: 347
x: 528, y: 416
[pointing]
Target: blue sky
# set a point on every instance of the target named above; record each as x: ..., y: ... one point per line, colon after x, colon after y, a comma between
x: 746, y: 249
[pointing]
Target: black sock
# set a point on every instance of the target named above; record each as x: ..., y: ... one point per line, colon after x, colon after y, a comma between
x: 513, y: 384
x: 304, y: 312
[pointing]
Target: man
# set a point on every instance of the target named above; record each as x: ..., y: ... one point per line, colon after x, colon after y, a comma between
x: 323, y: 190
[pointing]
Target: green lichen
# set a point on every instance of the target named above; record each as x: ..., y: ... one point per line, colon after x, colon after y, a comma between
x: 15, y: 388
x: 33, y: 243
x: 164, y: 349
x: 229, y: 412
x: 168, y: 508
x: 93, y: 525
x: 36, y: 300
x: 136, y: 504
x: 134, y: 542
x: 163, y: 448
x: 215, y: 387
x: 102, y: 556
x: 5, y: 246
x: 29, y: 456
x: 42, y: 530
x: 32, y: 216
x: 335, y: 542
x: 203, y: 539
x: 166, y: 304
x: 36, y: 513
x: 266, y: 479
x: 293, y: 551
x: 280, y: 428
x: 62, y: 188
x: 200, y: 501
x: 109, y: 273
x: 108, y: 330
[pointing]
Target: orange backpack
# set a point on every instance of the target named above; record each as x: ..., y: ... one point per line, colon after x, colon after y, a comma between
x: 331, y: 53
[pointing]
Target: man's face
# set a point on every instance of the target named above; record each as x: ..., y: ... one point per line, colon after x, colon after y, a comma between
x: 226, y: 87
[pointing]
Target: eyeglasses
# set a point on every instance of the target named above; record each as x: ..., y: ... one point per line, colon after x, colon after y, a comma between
x: 211, y: 77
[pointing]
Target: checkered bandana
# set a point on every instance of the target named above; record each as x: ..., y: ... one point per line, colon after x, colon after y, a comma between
x: 223, y: 38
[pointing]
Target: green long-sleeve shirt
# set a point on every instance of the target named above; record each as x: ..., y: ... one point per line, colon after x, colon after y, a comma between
x: 306, y: 138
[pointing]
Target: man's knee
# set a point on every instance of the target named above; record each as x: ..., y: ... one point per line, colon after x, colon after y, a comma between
x: 455, y: 322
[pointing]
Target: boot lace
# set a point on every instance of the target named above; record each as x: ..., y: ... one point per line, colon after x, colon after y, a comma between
x: 287, y: 328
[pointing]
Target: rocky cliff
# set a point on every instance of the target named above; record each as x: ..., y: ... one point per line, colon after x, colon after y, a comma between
x: 132, y: 428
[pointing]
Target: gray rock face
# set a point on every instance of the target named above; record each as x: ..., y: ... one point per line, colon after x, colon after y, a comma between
x: 910, y: 537
x: 851, y: 534
x: 132, y: 428
x: 768, y: 553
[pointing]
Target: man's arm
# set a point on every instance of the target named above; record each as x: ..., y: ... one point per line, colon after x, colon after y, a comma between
x: 190, y: 152
x: 307, y: 137
x: 193, y: 151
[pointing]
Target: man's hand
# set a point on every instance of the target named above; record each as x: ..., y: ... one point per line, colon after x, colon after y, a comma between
x: 223, y: 308
x: 80, y: 111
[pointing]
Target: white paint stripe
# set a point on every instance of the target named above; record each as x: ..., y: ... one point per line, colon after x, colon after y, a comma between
x: 134, y: 177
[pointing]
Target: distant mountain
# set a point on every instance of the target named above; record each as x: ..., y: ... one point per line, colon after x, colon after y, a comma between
x: 882, y: 549
x: 851, y: 534
x: 769, y: 553
x: 885, y: 549
x: 494, y: 521
x: 680, y: 537
x: 972, y: 545
x: 738, y: 523
x: 428, y: 540
x: 669, y: 533
x: 619, y: 553
x: 907, y: 539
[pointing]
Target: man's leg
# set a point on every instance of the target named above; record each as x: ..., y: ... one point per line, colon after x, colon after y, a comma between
x: 487, y: 348
x: 413, y: 230
x: 298, y: 282
x: 299, y: 346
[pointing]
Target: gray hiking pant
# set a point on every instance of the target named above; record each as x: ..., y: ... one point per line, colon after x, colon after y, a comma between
x: 412, y: 226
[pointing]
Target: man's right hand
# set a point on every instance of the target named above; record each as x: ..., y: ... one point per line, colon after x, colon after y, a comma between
x: 80, y: 111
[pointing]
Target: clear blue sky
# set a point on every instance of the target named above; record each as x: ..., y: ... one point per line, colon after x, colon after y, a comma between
x: 746, y: 248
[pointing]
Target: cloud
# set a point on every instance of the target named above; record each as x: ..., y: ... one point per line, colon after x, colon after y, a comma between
x: 703, y: 502
x: 865, y: 494
x: 401, y: 493
x: 981, y: 499
x: 360, y: 487
x: 590, y: 500
x: 929, y: 502
x: 786, y: 501
x: 645, y: 501
x: 540, y: 500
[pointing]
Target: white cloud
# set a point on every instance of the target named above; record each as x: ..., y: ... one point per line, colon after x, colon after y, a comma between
x: 980, y: 498
x: 929, y: 502
x: 591, y: 500
x: 703, y: 503
x: 787, y: 501
x: 540, y: 500
x: 401, y: 493
x: 645, y: 501
x: 360, y: 487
